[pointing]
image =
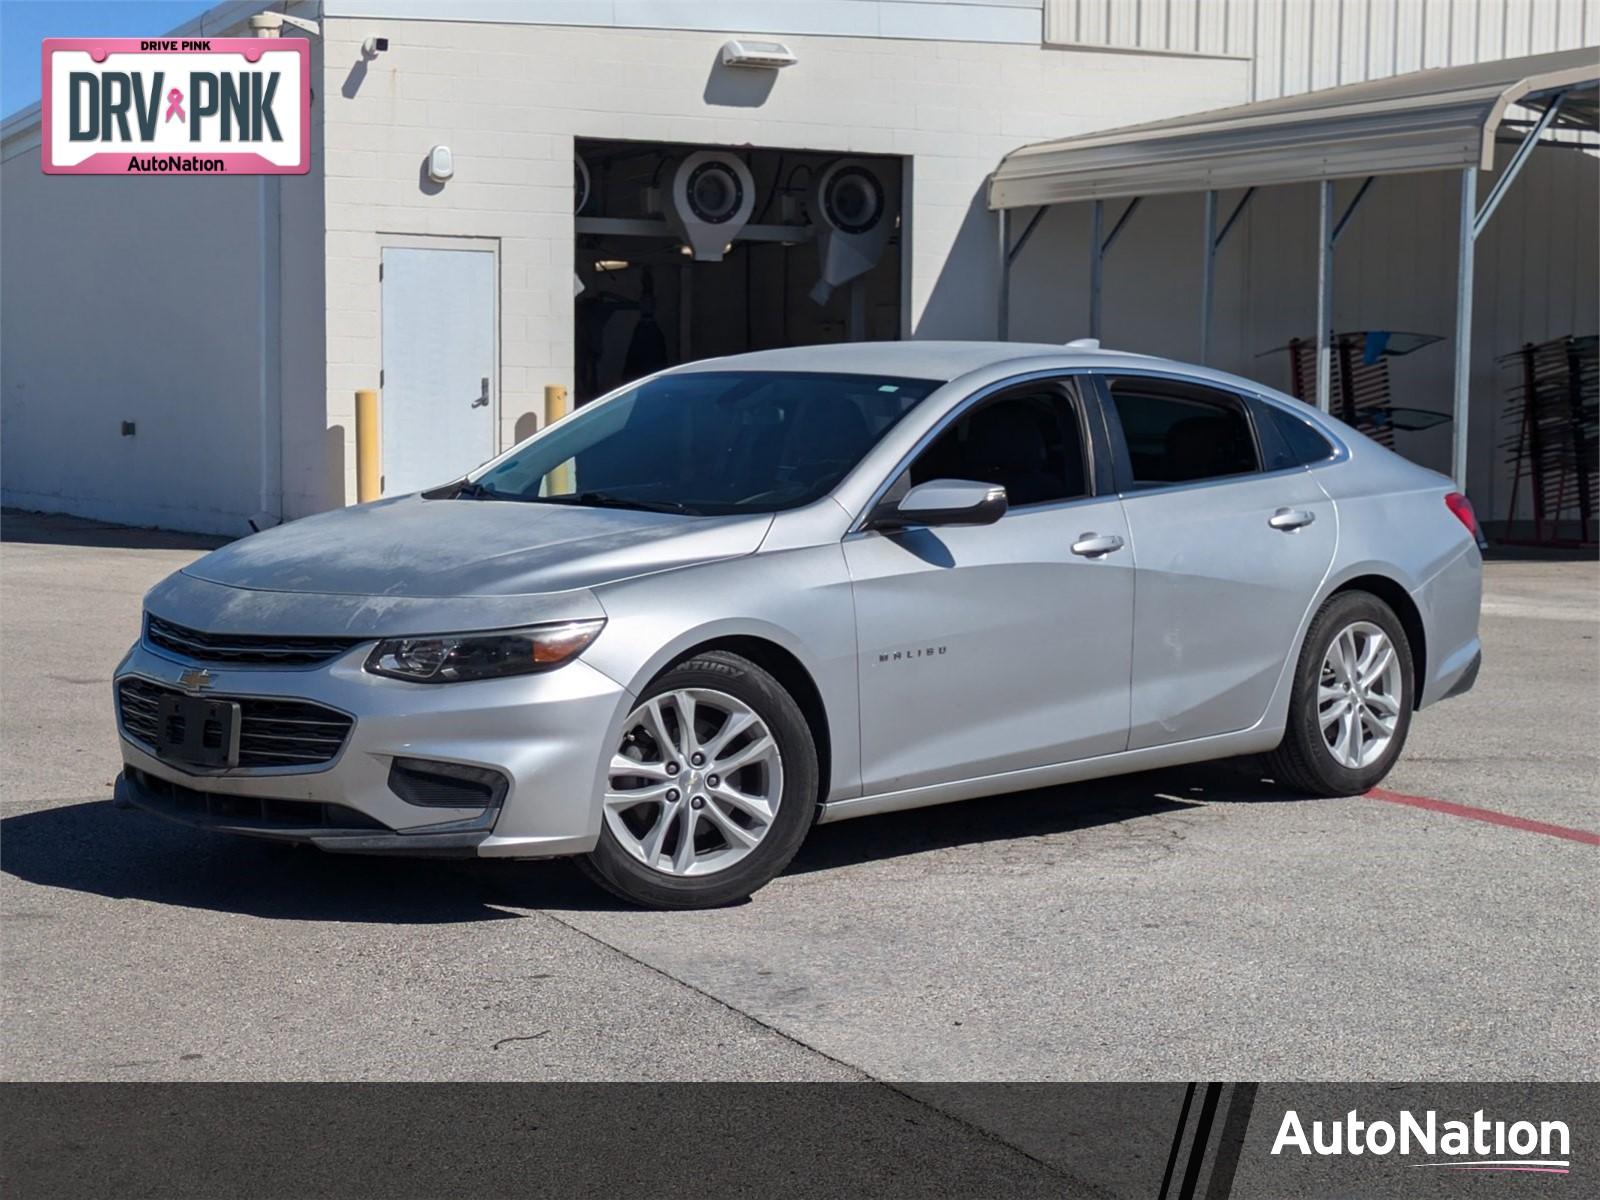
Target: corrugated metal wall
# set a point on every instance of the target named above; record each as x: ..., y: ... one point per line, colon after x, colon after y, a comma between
x: 1301, y: 45
x: 1396, y: 269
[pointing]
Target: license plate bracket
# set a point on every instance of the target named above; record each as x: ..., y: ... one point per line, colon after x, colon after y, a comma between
x: 198, y: 731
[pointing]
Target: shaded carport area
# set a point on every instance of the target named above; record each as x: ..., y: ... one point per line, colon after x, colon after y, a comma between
x: 1482, y: 124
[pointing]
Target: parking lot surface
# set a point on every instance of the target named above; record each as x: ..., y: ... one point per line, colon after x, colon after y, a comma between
x: 1187, y: 924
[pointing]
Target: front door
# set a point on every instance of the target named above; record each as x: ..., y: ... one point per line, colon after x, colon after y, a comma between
x: 1230, y: 556
x: 995, y: 648
x: 438, y: 365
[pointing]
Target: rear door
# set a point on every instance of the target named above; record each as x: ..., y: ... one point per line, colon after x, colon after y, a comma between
x: 439, y: 407
x: 1229, y: 554
x: 993, y: 648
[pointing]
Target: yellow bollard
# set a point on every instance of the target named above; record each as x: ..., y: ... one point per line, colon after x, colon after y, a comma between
x: 369, y: 447
x: 555, y: 402
x: 559, y: 482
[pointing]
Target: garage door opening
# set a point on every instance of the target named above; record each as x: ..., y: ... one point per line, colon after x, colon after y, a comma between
x: 689, y: 252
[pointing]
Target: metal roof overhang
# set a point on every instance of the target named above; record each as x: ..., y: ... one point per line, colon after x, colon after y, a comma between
x: 1423, y: 121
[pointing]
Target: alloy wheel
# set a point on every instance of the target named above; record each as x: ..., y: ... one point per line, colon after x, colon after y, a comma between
x: 1359, y: 694
x: 695, y: 784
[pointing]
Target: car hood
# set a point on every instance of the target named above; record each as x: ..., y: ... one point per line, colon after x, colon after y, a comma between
x: 408, y: 547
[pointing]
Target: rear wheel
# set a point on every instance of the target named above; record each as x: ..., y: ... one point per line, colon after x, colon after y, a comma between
x: 711, y: 789
x: 1352, y: 701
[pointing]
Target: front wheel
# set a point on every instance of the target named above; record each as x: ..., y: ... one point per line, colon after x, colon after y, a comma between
x: 1352, y: 701
x: 711, y: 789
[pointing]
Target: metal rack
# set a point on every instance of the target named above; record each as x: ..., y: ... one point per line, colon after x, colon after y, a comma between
x: 1360, y: 380
x: 1553, y: 404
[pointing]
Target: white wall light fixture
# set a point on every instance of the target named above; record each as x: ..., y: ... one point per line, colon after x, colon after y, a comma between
x: 441, y: 164
x: 764, y: 56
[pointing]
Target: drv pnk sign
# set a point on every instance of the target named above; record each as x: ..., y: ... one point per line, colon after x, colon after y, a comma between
x: 176, y: 106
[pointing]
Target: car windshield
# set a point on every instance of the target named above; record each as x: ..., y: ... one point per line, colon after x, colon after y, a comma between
x: 704, y: 443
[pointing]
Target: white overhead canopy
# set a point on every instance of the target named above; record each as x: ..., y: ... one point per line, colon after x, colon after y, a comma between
x: 1423, y: 121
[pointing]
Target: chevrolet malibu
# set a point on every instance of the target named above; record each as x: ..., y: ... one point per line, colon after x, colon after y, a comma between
x: 676, y: 629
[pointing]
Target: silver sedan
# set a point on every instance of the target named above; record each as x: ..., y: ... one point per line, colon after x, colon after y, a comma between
x: 675, y: 630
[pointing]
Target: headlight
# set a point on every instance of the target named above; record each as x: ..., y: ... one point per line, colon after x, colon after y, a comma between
x: 450, y: 659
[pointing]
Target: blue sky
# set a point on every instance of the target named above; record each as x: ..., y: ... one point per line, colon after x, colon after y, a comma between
x: 25, y: 23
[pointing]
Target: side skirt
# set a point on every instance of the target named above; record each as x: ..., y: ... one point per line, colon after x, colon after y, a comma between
x: 1225, y: 745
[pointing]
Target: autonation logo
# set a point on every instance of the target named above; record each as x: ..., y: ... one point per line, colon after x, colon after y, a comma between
x: 1476, y: 1145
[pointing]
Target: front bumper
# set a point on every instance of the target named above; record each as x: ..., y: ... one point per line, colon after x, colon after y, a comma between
x: 334, y: 827
x: 547, y: 734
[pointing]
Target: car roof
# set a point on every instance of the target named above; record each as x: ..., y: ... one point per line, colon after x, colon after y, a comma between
x: 947, y: 361
x: 936, y: 360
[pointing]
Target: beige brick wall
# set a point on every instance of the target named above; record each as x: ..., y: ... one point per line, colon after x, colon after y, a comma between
x: 510, y: 99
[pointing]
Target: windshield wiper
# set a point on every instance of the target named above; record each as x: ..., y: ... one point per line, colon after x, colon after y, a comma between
x: 473, y: 490
x: 609, y: 500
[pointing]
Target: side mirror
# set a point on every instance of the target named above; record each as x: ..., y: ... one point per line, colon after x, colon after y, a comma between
x: 942, y: 502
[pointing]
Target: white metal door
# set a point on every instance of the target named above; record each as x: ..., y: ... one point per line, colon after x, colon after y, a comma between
x: 438, y: 365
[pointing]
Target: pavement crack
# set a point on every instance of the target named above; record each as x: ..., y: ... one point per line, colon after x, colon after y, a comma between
x: 525, y: 1037
x: 700, y: 991
x: 902, y: 1090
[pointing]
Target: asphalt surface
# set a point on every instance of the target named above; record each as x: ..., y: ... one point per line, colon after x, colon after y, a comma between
x: 1186, y: 924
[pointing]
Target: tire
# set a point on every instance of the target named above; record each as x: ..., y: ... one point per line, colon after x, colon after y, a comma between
x: 718, y: 685
x: 1305, y: 761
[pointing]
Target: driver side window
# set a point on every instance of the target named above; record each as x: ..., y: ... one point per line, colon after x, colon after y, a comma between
x: 1029, y: 441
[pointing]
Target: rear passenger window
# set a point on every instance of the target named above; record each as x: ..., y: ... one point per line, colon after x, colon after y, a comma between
x: 1305, y: 444
x: 1178, y: 434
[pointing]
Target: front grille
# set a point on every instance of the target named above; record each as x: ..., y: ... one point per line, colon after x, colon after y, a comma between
x: 280, y: 732
x: 245, y: 650
x: 272, y: 733
x: 245, y: 812
x: 137, y: 702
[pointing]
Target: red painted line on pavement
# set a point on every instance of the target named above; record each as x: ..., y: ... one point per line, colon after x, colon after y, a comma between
x: 1488, y: 815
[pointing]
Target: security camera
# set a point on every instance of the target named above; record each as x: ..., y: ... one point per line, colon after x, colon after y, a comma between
x: 853, y: 206
x: 270, y: 24
x: 374, y: 46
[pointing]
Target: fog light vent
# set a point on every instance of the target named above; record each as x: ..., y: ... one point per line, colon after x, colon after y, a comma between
x: 434, y: 784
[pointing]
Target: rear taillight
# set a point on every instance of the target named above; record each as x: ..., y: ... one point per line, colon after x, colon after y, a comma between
x: 1462, y: 507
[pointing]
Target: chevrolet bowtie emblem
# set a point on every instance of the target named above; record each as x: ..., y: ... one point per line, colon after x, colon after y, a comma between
x: 193, y: 681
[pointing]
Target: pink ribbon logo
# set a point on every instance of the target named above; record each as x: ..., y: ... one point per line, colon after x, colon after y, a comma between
x: 175, y: 106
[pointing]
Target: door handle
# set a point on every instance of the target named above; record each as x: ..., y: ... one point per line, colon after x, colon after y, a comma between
x: 1093, y: 545
x: 483, y: 395
x: 1290, y: 519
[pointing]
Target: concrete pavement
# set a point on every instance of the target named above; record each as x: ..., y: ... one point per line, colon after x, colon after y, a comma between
x: 1187, y: 924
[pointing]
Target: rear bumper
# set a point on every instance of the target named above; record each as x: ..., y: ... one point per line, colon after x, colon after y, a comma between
x: 1467, y: 678
x: 1449, y: 603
